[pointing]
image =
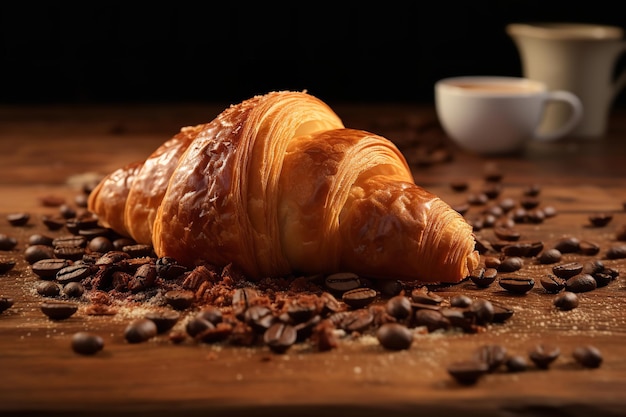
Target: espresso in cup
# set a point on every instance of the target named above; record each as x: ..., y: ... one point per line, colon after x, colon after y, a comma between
x: 499, y: 115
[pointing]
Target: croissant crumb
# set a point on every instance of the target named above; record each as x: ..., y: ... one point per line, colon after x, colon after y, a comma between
x: 277, y: 185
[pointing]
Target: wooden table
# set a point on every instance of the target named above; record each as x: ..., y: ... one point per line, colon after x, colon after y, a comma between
x: 51, y: 151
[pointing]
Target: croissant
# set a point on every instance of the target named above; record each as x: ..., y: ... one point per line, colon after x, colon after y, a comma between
x: 277, y: 185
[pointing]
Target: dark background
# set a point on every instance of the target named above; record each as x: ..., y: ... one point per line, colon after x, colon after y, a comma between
x: 97, y: 52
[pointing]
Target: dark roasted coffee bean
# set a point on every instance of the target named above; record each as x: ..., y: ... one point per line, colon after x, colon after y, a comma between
x: 120, y: 242
x: 39, y: 239
x: 305, y: 329
x: 535, y: 216
x: 602, y: 279
x: 519, y: 215
x: 493, y: 355
x: 168, y: 268
x: 70, y: 241
x: 459, y: 185
x: 74, y: 289
x: 300, y: 309
x: 66, y: 211
x: 532, y: 190
x: 330, y: 304
x: 211, y: 313
x: 600, y: 219
x: 501, y: 313
x: 36, y: 253
x: 279, y: 337
x: 58, y: 310
x: 112, y: 257
x: 164, y: 319
x: 492, y: 262
x: 616, y: 252
x: 94, y: 232
x: 549, y: 211
x: 18, y: 219
x: 481, y: 311
x: 568, y: 245
x: 353, y: 320
x: 87, y: 343
x: 48, y: 288
x: 48, y: 268
x: 388, y: 287
x: 74, y: 273
x: 73, y: 253
x: 581, y: 283
x: 593, y: 267
x: 492, y: 189
x: 431, y: 319
x: 588, y: 248
x: 551, y: 283
x: 53, y: 223
x: 529, y: 202
x: 140, y: 330
x: 196, y: 325
x: 216, y: 334
x: 399, y: 307
x: 423, y: 296
x: 460, y: 301
x: 477, y: 199
x: 566, y: 301
x: 543, y: 356
x: 342, y: 282
x: 457, y: 319
x: 6, y: 264
x: 517, y: 285
x: 507, y: 233
x: 467, y: 372
x: 359, y: 297
x: 394, y: 336
x: 138, y: 250
x: 511, y: 264
x: 7, y: 242
x: 549, y: 256
x: 523, y: 249
x: 180, y: 299
x: 507, y: 204
x: 5, y: 303
x: 100, y: 244
x: 567, y: 270
x: 620, y: 233
x: 143, y: 278
x: 516, y: 363
x: 259, y: 318
x: 588, y: 356
x: 487, y: 278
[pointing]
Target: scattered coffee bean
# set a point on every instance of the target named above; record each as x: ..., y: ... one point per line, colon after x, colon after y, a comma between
x: 39, y: 239
x: 433, y: 320
x: 501, y: 313
x: 423, y: 296
x: 459, y: 186
x: 74, y: 289
x: 48, y: 288
x: 7, y: 242
x: 467, y: 372
x: 493, y: 355
x: 399, y: 307
x: 567, y: 270
x: 164, y: 319
x: 588, y: 248
x: 566, y: 301
x: 279, y: 337
x: 5, y: 303
x: 517, y: 285
x: 100, y: 244
x: 550, y: 256
x: 551, y: 283
x: 460, y: 300
x: 389, y: 287
x: 6, y: 264
x: 140, y: 330
x: 69, y: 252
x: 342, y: 282
x: 516, y: 363
x: 180, y: 299
x: 522, y: 249
x: 53, y: 223
x: 48, y: 268
x: 507, y: 233
x: 394, y: 336
x: 359, y: 297
x: 543, y: 356
x: 482, y: 276
x: 168, y: 268
x: 74, y: 273
x: 616, y: 252
x: 59, y: 310
x: 581, y: 283
x: 600, y: 219
x: 38, y: 252
x: 481, y: 311
x: 87, y: 343
x: 197, y: 325
x: 18, y: 219
x: 511, y: 264
x: 588, y: 356
x: 568, y: 244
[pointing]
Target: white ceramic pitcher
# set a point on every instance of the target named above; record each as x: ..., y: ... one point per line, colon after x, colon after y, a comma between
x: 576, y: 57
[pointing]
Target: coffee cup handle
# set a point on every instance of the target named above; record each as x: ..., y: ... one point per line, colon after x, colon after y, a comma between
x: 620, y: 81
x: 576, y: 114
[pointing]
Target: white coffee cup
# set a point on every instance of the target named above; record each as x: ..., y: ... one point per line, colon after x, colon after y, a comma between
x: 577, y: 57
x: 499, y: 115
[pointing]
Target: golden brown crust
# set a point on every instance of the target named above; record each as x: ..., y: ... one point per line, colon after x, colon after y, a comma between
x: 277, y: 185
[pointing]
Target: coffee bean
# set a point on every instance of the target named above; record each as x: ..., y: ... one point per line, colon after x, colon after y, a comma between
x: 168, y: 268
x: 164, y: 319
x: 567, y: 270
x: 7, y: 242
x: 39, y: 239
x: 588, y: 356
x: 532, y: 190
x: 48, y: 288
x: 493, y: 355
x: 549, y: 256
x: 100, y: 244
x: 74, y: 289
x: 600, y: 219
x: 359, y: 297
x: 18, y: 219
x: 431, y: 319
x: 399, y: 307
x: 138, y: 250
x: 460, y: 300
x: 196, y: 325
x: 481, y: 311
x: 300, y: 309
x: 516, y: 363
x: 342, y: 282
x: 53, y: 223
x: 423, y: 296
x: 511, y: 264
x: 535, y: 216
x: 211, y: 313
x: 394, y: 336
x: 492, y: 262
x: 566, y: 301
x: 517, y: 285
x: 459, y: 185
x: 58, y: 310
x: 279, y: 337
x: 593, y: 267
x: 87, y: 343
x: 550, y: 211
x: 388, y: 287
x: 507, y: 233
x: 523, y: 249
x: 74, y: 273
x: 140, y: 330
x: 501, y: 313
x: 72, y: 253
x: 481, y: 278
x: 5, y: 303
x: 581, y: 283
x: 143, y: 278
x: 353, y: 320
x: 36, y: 253
x: 180, y: 299
x: 467, y: 372
x: 259, y: 318
x: 568, y: 244
x: 551, y: 283
x: 48, y: 268
x: 588, y: 248
x: 616, y: 252
x: 70, y: 241
x: 6, y: 264
x: 620, y: 233
x: 543, y: 356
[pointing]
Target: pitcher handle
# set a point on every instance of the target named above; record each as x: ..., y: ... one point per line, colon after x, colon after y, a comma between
x: 569, y: 125
x: 620, y: 81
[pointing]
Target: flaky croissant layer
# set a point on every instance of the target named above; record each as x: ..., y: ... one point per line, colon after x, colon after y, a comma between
x: 277, y: 185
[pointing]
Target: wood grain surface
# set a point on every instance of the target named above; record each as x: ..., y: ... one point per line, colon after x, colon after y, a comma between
x: 52, y: 151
